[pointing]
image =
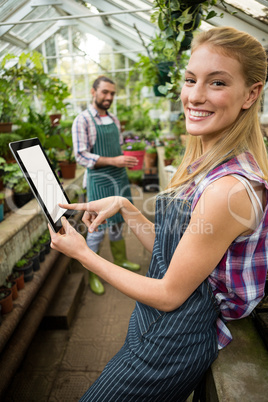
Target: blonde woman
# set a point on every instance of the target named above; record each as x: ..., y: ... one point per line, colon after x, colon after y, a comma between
x: 209, y: 259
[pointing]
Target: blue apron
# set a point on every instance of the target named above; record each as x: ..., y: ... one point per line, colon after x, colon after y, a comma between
x: 165, y: 353
x: 108, y: 180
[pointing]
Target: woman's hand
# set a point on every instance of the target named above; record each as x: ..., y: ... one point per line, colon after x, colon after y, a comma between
x: 68, y: 241
x: 97, y: 212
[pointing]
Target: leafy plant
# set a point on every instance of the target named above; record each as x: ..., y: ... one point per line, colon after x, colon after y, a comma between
x: 21, y: 263
x: 135, y: 176
x: 134, y: 145
x: 13, y: 178
x: 151, y: 150
x: 177, y: 21
x: 55, y: 94
x: 5, y: 139
x: 30, y: 130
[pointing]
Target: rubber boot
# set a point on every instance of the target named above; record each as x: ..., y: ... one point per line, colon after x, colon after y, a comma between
x: 118, y: 249
x: 95, y: 284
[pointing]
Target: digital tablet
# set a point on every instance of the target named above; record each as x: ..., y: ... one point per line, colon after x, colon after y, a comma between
x: 42, y: 179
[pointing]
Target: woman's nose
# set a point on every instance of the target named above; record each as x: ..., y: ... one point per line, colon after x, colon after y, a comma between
x: 197, y: 94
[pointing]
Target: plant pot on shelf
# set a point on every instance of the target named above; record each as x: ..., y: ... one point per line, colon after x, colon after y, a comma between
x: 150, y: 159
x: 55, y: 119
x: 14, y: 290
x: 139, y: 155
x: 33, y: 255
x: 20, y: 199
x: 18, y: 277
x: 67, y: 169
x: 168, y: 162
x: 6, y: 300
x: 5, y: 127
x: 26, y: 267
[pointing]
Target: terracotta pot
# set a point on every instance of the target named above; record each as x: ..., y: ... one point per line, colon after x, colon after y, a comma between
x: 5, y: 127
x: 139, y: 155
x: 150, y: 160
x: 55, y: 119
x: 6, y: 302
x: 14, y: 290
x: 19, y: 281
x: 67, y: 169
x: 168, y: 162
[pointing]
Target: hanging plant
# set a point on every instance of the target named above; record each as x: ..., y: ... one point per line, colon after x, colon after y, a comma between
x: 166, y: 57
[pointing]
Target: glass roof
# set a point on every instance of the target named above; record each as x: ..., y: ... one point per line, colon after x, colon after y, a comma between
x: 25, y: 25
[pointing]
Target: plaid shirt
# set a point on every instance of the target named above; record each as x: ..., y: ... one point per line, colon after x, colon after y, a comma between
x: 239, y: 279
x: 84, y: 136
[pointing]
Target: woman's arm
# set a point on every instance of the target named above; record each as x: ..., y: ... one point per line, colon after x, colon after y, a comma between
x: 213, y: 226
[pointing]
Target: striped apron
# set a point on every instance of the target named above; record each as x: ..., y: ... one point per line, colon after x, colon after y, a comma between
x: 165, y: 353
x: 107, y: 181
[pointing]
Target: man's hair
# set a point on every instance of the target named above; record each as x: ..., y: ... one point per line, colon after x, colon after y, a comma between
x: 101, y: 78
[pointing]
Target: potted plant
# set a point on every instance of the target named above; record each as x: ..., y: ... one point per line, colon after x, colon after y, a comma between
x: 135, y: 147
x: 63, y: 143
x: 55, y: 94
x: 135, y: 176
x: 13, y: 286
x: 125, y: 116
x: 18, y: 277
x: 6, y: 300
x: 33, y: 255
x: 150, y: 158
x: 5, y: 139
x: 45, y: 241
x: 41, y: 249
x: 26, y: 267
x: 14, y: 179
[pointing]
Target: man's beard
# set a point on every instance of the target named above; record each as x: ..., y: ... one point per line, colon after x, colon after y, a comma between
x: 101, y: 105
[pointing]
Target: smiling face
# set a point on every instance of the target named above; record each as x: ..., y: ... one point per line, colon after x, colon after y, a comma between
x: 213, y: 95
x: 103, y: 96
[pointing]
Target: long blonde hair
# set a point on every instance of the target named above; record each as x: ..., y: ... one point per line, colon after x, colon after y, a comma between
x: 245, y: 133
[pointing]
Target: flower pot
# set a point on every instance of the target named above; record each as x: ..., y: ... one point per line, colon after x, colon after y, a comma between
x: 27, y: 269
x: 139, y: 155
x: 42, y: 254
x: 36, y: 261
x: 6, y: 302
x: 21, y: 199
x: 67, y: 169
x: 168, y: 162
x: 55, y: 119
x: 14, y: 290
x: 150, y: 160
x: 5, y: 127
x: 19, y: 280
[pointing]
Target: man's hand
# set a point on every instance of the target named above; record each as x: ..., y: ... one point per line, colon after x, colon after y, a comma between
x: 125, y: 161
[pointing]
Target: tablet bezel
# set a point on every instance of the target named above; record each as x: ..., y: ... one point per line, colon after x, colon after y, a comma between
x: 22, y: 144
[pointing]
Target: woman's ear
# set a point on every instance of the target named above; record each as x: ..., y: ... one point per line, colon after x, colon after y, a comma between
x: 252, y: 94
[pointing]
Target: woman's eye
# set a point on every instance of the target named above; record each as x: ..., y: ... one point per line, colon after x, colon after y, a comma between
x: 218, y: 83
x: 189, y: 80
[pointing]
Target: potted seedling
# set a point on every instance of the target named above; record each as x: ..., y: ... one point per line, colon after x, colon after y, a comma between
x: 6, y: 300
x: 26, y: 267
x: 13, y: 286
x: 18, y: 277
x: 33, y: 255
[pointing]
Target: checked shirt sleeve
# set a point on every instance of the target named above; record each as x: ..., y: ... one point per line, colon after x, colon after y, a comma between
x: 84, y: 137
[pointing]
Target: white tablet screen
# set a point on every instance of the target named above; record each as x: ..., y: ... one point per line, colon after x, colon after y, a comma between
x: 44, y: 180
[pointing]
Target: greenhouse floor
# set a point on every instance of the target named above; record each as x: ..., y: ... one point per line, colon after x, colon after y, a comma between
x: 60, y: 365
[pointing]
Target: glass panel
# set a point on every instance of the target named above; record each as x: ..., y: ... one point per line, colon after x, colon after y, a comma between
x: 65, y: 65
x: 62, y: 40
x: 105, y: 62
x: 51, y: 66
x: 91, y: 66
x: 120, y: 80
x: 119, y: 61
x: 80, y: 86
x: 50, y: 46
x: 79, y: 65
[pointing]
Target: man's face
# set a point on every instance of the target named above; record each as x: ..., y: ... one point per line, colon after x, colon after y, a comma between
x: 104, y: 95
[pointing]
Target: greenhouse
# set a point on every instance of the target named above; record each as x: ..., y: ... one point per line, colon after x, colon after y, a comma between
x: 151, y: 116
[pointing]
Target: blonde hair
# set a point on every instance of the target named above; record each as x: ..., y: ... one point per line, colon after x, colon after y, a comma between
x: 245, y: 133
